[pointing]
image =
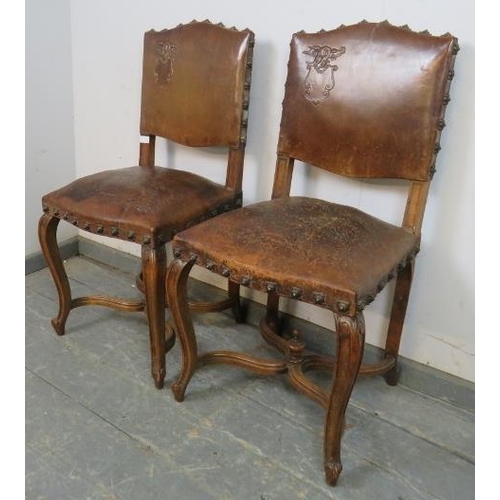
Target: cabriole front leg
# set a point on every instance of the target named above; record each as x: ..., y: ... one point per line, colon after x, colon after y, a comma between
x: 177, y: 278
x: 47, y: 228
x: 351, y: 339
x: 154, y: 271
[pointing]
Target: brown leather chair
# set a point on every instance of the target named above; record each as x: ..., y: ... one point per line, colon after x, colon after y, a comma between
x: 195, y: 91
x: 363, y: 101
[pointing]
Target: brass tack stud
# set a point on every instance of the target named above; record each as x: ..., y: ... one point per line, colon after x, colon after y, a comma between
x: 65, y: 216
x: 114, y: 231
x: 100, y: 229
x: 177, y: 253
x: 210, y: 266
x: 271, y: 286
x: 45, y: 208
x: 342, y: 306
x: 56, y: 213
x: 296, y: 292
x: 146, y: 240
x: 245, y: 281
x: 437, y: 148
x: 226, y: 272
x: 130, y: 235
x: 86, y: 226
x: 361, y: 305
x: 74, y: 222
x: 446, y: 100
x: 441, y: 124
x: 318, y: 297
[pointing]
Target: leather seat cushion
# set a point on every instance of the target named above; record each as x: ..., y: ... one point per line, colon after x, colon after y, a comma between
x: 149, y: 200
x: 303, y: 243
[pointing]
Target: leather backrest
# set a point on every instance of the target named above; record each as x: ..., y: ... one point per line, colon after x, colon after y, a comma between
x: 367, y: 100
x: 195, y: 84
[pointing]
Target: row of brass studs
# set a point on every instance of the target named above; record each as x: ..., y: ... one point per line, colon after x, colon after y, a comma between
x: 246, y: 87
x: 319, y: 298
x: 271, y: 286
x: 99, y: 229
x: 131, y: 235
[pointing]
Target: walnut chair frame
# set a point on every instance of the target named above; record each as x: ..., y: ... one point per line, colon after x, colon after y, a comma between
x: 192, y: 97
x: 381, y: 117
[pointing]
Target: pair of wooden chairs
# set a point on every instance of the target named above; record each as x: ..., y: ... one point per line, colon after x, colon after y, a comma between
x: 364, y: 101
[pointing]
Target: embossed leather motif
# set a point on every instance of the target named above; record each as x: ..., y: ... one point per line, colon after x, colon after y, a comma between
x: 164, y: 70
x: 319, y: 81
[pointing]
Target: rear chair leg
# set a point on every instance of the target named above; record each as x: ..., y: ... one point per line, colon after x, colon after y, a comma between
x: 398, y: 313
x: 351, y: 339
x: 234, y: 293
x: 47, y: 228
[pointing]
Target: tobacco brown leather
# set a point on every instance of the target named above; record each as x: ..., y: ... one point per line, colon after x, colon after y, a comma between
x: 203, y: 98
x: 149, y: 202
x: 191, y: 96
x: 382, y: 116
x: 365, y: 100
x: 304, y: 244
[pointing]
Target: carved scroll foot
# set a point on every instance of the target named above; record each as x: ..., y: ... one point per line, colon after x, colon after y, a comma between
x: 177, y: 277
x: 332, y: 472
x: 59, y: 323
x: 351, y: 334
x: 47, y: 228
x: 154, y: 271
x: 178, y: 391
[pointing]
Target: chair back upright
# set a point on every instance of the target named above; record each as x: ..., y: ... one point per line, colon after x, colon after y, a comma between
x: 197, y: 97
x: 367, y: 101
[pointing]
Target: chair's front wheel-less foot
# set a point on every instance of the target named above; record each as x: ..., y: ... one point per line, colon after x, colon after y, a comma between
x: 159, y: 377
x: 332, y: 472
x: 178, y: 391
x: 59, y: 325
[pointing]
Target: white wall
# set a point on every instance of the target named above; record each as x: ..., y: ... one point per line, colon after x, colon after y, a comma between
x: 106, y: 56
x: 49, y: 140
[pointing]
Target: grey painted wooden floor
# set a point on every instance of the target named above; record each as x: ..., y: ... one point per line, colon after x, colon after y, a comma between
x: 96, y: 428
